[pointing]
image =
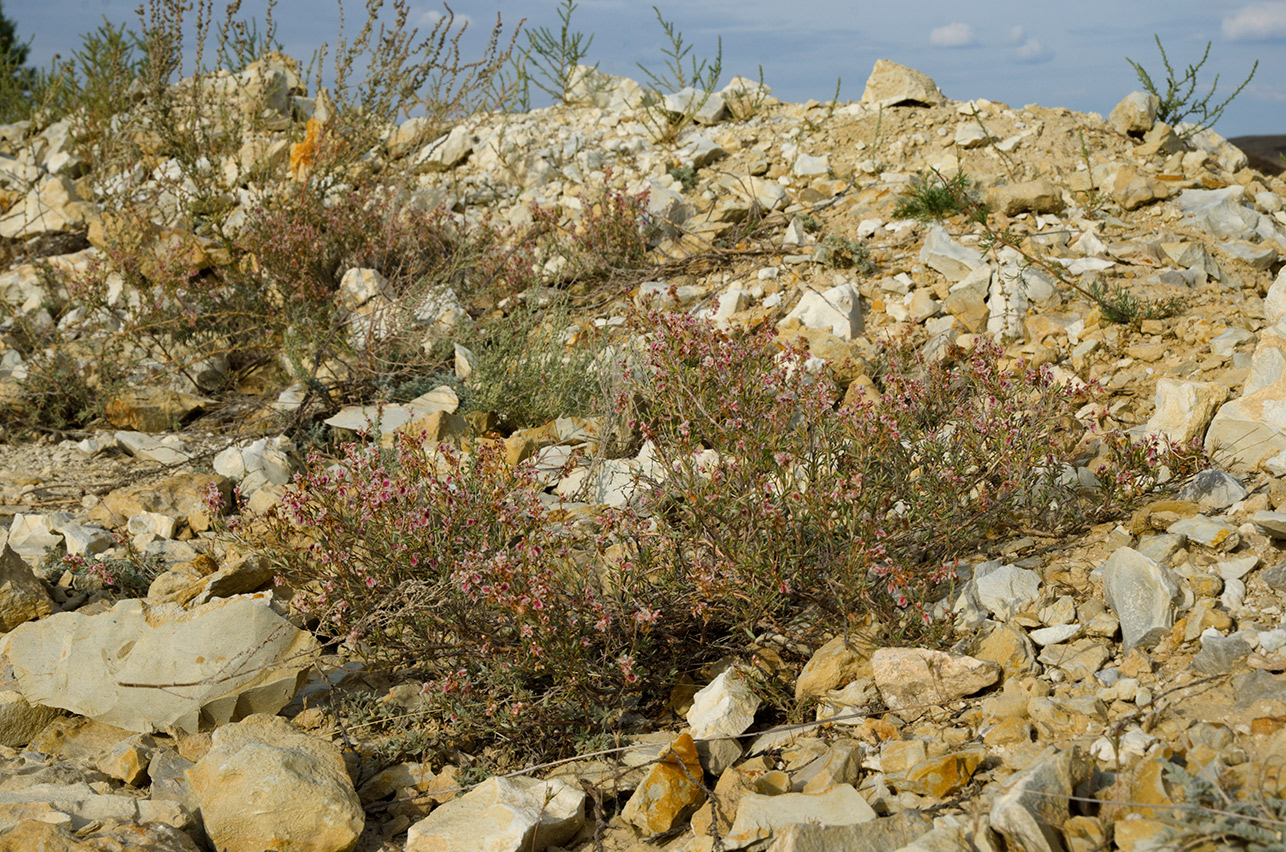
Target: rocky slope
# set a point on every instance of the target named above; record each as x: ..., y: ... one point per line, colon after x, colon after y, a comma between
x: 193, y: 716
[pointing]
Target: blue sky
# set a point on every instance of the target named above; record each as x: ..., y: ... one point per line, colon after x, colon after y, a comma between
x: 1054, y: 54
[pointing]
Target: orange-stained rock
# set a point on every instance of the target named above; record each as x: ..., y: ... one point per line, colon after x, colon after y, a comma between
x: 303, y: 153
x: 939, y: 776
x: 670, y: 792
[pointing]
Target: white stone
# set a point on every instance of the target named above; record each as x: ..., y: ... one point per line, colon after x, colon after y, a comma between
x: 147, y: 668
x: 146, y: 447
x: 760, y: 816
x: 807, y: 166
x: 945, y: 255
x: 1183, y: 410
x: 969, y: 134
x: 359, y: 286
x: 256, y: 464
x: 837, y: 310
x: 264, y: 784
x: 1141, y: 593
x: 891, y: 84
x: 32, y: 537
x: 151, y: 524
x: 1005, y: 590
x: 724, y: 707
x: 85, y: 541
x: 1054, y: 635
x: 1135, y: 114
x: 731, y: 302
x: 518, y: 814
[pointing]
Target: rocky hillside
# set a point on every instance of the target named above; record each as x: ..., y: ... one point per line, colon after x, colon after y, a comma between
x: 202, y: 650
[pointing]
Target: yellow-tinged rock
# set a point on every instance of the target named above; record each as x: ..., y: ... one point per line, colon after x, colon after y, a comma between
x: 670, y: 792
x: 709, y: 819
x: 939, y: 776
x: 1143, y: 835
x: 836, y: 663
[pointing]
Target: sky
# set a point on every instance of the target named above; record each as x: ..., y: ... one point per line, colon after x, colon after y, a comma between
x: 1015, y: 51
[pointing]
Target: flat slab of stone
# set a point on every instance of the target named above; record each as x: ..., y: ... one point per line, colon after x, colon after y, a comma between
x: 1142, y: 593
x: 502, y: 815
x: 915, y: 680
x: 147, y: 668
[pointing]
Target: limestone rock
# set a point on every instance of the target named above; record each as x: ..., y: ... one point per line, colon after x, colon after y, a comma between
x: 939, y: 776
x: 914, y: 680
x: 1007, y: 647
x: 837, y: 310
x: 211, y: 665
x: 22, y: 596
x: 670, y: 791
x: 950, y: 258
x: 1033, y: 196
x: 833, y: 665
x: 32, y: 538
x: 704, y: 107
x: 52, y: 206
x: 724, y: 707
x: 77, y: 805
x: 1214, y: 490
x: 1184, y: 409
x: 1133, y: 190
x: 448, y: 152
x: 1222, y: 214
x: 891, y: 84
x: 1035, y: 802
x: 760, y: 816
x: 1275, y: 300
x: 129, y: 759
x: 1220, y: 654
x: 182, y: 495
x: 1142, y: 593
x: 502, y: 815
x: 20, y: 720
x: 151, y: 409
x: 1002, y: 590
x: 266, y: 785
x: 967, y: 299
x: 1135, y: 114
x: 733, y: 786
x: 34, y: 834
x: 1207, y: 532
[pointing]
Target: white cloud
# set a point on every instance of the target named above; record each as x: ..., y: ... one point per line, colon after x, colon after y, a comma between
x: 1016, y: 33
x: 1257, y: 22
x: 952, y: 35
x: 1033, y: 50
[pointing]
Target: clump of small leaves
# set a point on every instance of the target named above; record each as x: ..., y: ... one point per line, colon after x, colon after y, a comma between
x: 129, y: 576
x: 1255, y: 822
x: 1119, y: 305
x: 843, y: 253
x: 1179, y: 99
x: 939, y: 198
x: 685, y: 175
x: 526, y: 372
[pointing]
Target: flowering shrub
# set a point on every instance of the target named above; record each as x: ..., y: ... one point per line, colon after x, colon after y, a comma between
x: 770, y: 503
x: 763, y: 506
x: 452, y: 568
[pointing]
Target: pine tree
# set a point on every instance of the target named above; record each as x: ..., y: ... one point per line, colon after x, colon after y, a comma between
x: 15, y: 76
x: 13, y: 53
